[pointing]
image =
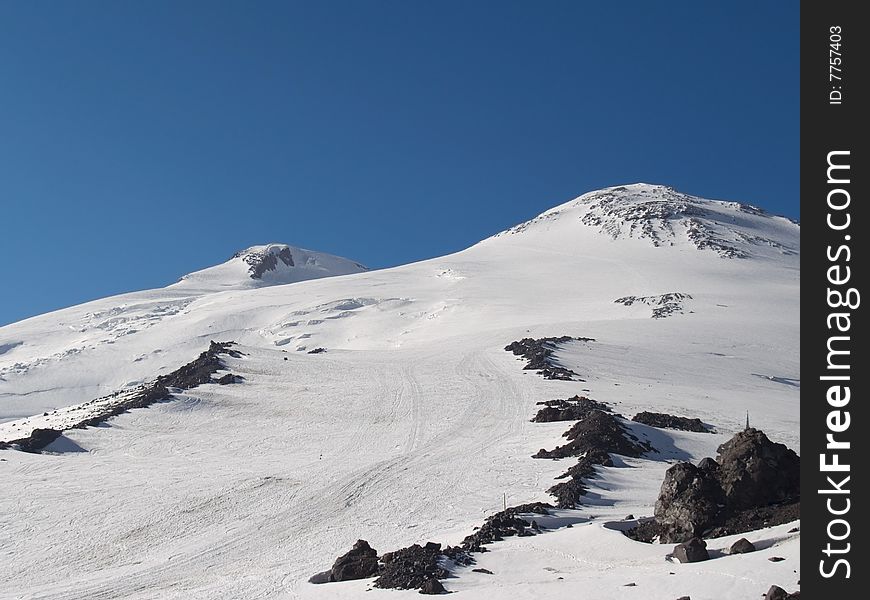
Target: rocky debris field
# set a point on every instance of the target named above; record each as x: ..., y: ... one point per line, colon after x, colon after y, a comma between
x: 188, y: 376
x: 572, y: 409
x: 663, y: 305
x: 666, y: 421
x: 539, y: 354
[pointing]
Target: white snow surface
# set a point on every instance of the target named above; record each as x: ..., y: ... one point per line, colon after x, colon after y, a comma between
x: 414, y: 423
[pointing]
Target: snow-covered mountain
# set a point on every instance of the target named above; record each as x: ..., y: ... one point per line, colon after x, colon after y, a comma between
x: 271, y: 264
x: 414, y: 424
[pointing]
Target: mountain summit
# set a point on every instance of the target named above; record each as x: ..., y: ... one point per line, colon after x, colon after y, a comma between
x: 662, y: 216
x: 270, y: 264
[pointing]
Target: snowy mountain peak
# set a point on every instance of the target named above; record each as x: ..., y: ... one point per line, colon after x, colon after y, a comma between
x: 271, y: 264
x: 666, y: 217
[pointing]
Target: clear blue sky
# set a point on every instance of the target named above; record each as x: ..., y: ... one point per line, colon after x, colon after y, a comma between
x: 143, y: 140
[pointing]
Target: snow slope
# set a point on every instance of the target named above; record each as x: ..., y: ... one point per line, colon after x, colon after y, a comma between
x: 73, y: 355
x: 415, y: 422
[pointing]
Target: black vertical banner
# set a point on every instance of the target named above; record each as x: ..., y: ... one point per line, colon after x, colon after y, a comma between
x: 834, y: 225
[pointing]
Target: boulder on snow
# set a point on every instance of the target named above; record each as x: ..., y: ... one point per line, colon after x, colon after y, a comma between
x: 755, y: 483
x: 690, y: 500
x: 432, y: 587
x: 741, y: 546
x: 39, y: 439
x: 754, y: 471
x: 777, y: 593
x: 360, y: 562
x: 695, y: 550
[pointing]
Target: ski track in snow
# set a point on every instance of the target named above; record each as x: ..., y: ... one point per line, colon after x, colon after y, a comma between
x: 235, y: 514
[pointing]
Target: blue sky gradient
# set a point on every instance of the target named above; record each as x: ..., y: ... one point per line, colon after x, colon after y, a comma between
x: 143, y: 140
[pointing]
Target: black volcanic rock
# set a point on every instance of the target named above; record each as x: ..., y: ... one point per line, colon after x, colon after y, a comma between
x: 505, y: 524
x: 432, y: 587
x: 777, y: 593
x: 598, y: 431
x: 572, y: 409
x: 360, y: 562
x: 261, y: 261
x: 689, y: 502
x: 741, y: 546
x: 666, y: 421
x: 709, y: 464
x: 593, y: 438
x: 694, y: 550
x: 759, y: 517
x: 410, y: 568
x: 190, y: 375
x: 756, y: 472
x: 569, y: 492
x: 201, y: 369
x: 39, y: 439
x: 754, y: 484
x: 539, y: 354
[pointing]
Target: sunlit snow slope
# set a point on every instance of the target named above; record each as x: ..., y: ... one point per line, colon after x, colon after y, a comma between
x: 414, y: 422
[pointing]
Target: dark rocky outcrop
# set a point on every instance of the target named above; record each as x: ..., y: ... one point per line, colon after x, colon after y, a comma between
x: 504, y: 524
x: 598, y: 431
x: 663, y: 305
x: 777, y: 593
x: 596, y: 435
x: 646, y: 531
x: 741, y: 546
x: 228, y: 379
x: 569, y: 492
x: 360, y: 562
x: 709, y: 464
x: 197, y: 372
x: 757, y: 518
x: 191, y: 375
x: 666, y: 421
x: 755, y: 483
x: 757, y: 472
x: 415, y: 567
x: 690, y: 500
x: 39, y: 439
x: 694, y: 550
x: 200, y: 370
x: 539, y: 354
x: 572, y: 409
x: 265, y: 260
x: 317, y: 351
x: 432, y: 587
